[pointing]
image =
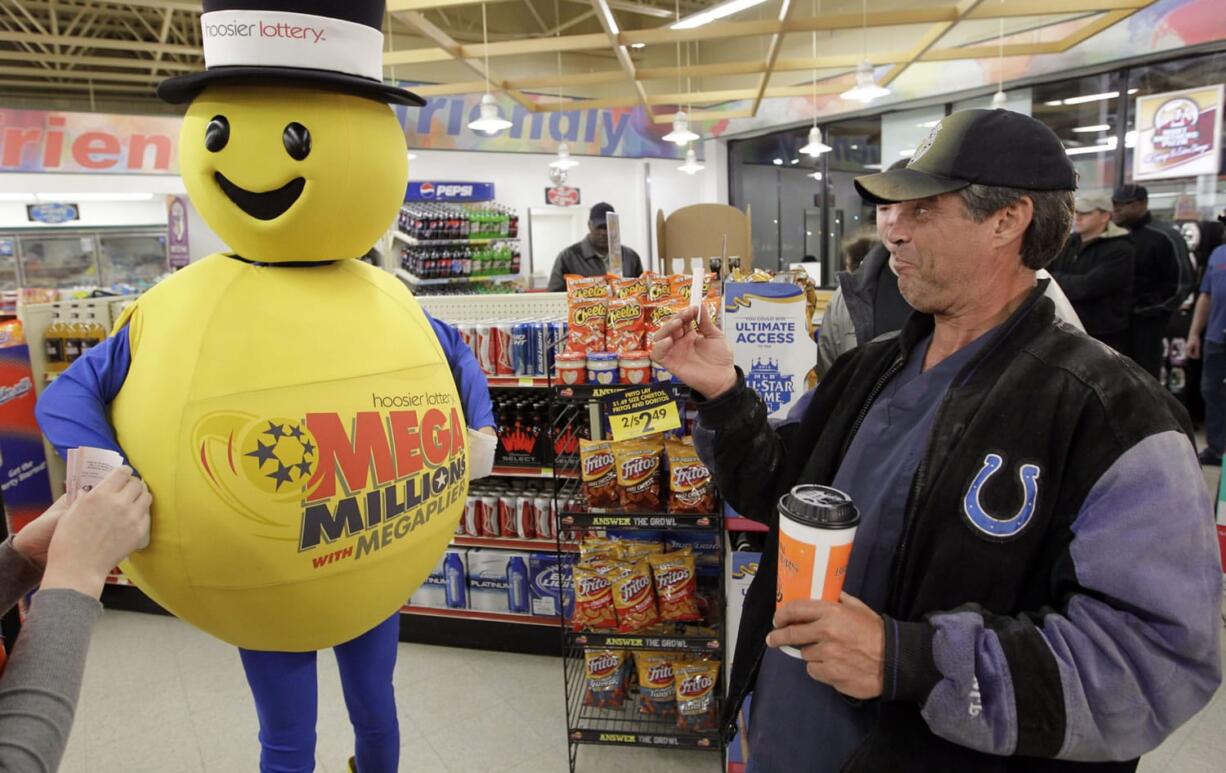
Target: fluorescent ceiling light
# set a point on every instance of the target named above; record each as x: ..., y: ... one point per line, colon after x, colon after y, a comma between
x: 873, y: 166
x: 907, y: 152
x: 691, y: 164
x: 1054, y: 102
x: 1130, y: 139
x: 412, y: 156
x: 928, y: 124
x: 815, y: 146
x: 778, y: 162
x: 1098, y: 127
x: 564, y: 161
x: 638, y: 45
x: 715, y: 12
x: 866, y: 88
x: 681, y: 134
x: 1084, y: 98
x: 491, y: 121
x: 1133, y: 91
x: 795, y: 161
x: 73, y: 197
x: 999, y: 99
x: 1103, y: 148
x: 816, y: 176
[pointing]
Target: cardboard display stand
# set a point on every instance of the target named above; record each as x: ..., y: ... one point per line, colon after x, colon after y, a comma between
x: 699, y: 231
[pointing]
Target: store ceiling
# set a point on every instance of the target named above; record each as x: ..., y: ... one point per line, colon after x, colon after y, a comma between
x: 548, y: 54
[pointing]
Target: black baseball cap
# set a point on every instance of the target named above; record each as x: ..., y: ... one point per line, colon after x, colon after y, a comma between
x: 1126, y: 194
x: 999, y: 148
x: 599, y: 212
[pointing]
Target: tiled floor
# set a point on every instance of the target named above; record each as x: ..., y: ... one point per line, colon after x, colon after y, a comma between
x: 161, y: 697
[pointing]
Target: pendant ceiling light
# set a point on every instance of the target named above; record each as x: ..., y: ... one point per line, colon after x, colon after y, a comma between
x: 999, y: 100
x: 691, y: 164
x: 564, y: 161
x: 681, y: 134
x: 866, y: 88
x: 815, y: 147
x: 491, y: 121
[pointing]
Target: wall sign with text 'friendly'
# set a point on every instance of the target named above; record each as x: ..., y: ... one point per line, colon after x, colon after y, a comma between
x: 639, y: 412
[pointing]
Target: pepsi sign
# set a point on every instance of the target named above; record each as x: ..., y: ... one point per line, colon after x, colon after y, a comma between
x: 449, y: 191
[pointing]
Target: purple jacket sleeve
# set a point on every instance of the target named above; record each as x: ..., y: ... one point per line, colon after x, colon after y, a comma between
x: 72, y: 411
x: 471, y: 383
x: 1135, y: 649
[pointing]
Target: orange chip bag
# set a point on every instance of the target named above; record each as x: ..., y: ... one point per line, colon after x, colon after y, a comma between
x: 695, y: 686
x: 680, y: 285
x: 657, y: 314
x: 587, y: 320
x: 676, y: 586
x: 714, y: 306
x: 599, y: 471
x: 593, y: 600
x: 658, y: 288
x: 582, y: 289
x: 690, y: 488
x: 638, y: 474
x: 630, y: 288
x: 657, y: 693
x: 634, y: 598
x: 626, y: 326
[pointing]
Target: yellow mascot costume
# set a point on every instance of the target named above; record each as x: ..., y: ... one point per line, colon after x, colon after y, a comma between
x: 290, y: 408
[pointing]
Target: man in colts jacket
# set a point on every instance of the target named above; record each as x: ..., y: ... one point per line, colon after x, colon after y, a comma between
x: 1034, y: 584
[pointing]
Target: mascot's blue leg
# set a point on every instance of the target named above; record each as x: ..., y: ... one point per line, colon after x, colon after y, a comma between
x: 286, y: 690
x: 366, y: 664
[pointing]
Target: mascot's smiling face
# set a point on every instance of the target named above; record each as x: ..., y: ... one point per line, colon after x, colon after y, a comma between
x: 286, y: 173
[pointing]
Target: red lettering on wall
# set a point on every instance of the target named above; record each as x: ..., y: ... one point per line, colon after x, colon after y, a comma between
x: 96, y: 150
x: 15, y: 141
x: 435, y: 437
x: 141, y: 143
x: 353, y: 459
x: 53, y: 148
x: 406, y: 442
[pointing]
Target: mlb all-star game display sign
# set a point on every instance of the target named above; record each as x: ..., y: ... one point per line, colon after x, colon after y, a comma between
x: 765, y: 324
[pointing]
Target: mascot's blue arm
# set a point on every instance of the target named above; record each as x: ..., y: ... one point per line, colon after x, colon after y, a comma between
x: 72, y: 410
x: 469, y: 380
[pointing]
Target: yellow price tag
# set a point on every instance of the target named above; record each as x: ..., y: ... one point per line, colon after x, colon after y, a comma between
x: 640, y: 412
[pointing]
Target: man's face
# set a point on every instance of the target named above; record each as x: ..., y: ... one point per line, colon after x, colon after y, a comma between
x: 1091, y: 224
x: 599, y: 234
x: 1130, y: 214
x: 936, y: 249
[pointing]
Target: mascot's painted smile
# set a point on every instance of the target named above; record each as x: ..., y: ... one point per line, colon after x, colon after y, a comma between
x: 268, y: 205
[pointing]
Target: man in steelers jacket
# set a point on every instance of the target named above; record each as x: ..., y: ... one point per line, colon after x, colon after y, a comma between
x: 1038, y: 588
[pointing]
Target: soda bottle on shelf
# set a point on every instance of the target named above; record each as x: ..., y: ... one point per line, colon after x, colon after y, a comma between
x: 53, y: 343
x: 73, y: 333
x: 513, y: 225
x: 94, y: 333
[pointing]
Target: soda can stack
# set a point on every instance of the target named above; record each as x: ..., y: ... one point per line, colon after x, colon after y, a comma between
x: 516, y: 510
x: 524, y: 349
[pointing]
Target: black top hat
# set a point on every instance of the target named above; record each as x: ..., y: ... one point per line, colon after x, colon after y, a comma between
x: 320, y: 42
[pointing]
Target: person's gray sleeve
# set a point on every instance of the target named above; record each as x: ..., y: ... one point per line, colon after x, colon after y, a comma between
x: 17, y: 575
x: 838, y: 334
x: 1130, y: 655
x: 42, y: 682
x: 557, y: 279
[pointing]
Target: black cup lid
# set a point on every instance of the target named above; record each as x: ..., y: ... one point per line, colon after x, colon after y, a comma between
x: 822, y: 507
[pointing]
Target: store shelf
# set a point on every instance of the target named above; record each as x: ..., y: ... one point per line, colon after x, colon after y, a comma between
x: 416, y: 281
x: 476, y: 614
x: 518, y: 382
x: 415, y: 242
x: 510, y: 543
x: 585, y: 520
x: 640, y: 642
x: 737, y: 523
x: 586, y: 392
x: 533, y: 472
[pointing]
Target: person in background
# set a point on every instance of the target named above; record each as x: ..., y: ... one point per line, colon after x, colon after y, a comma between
x: 1162, y: 276
x: 68, y: 552
x: 856, y: 246
x: 1035, y: 582
x: 590, y: 257
x: 1207, y: 341
x: 1095, y: 270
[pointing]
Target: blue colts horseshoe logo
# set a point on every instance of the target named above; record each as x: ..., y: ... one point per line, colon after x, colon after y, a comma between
x: 996, y: 527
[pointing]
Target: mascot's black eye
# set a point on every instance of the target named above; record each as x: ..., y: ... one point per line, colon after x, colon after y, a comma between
x: 297, y: 139
x: 217, y: 135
